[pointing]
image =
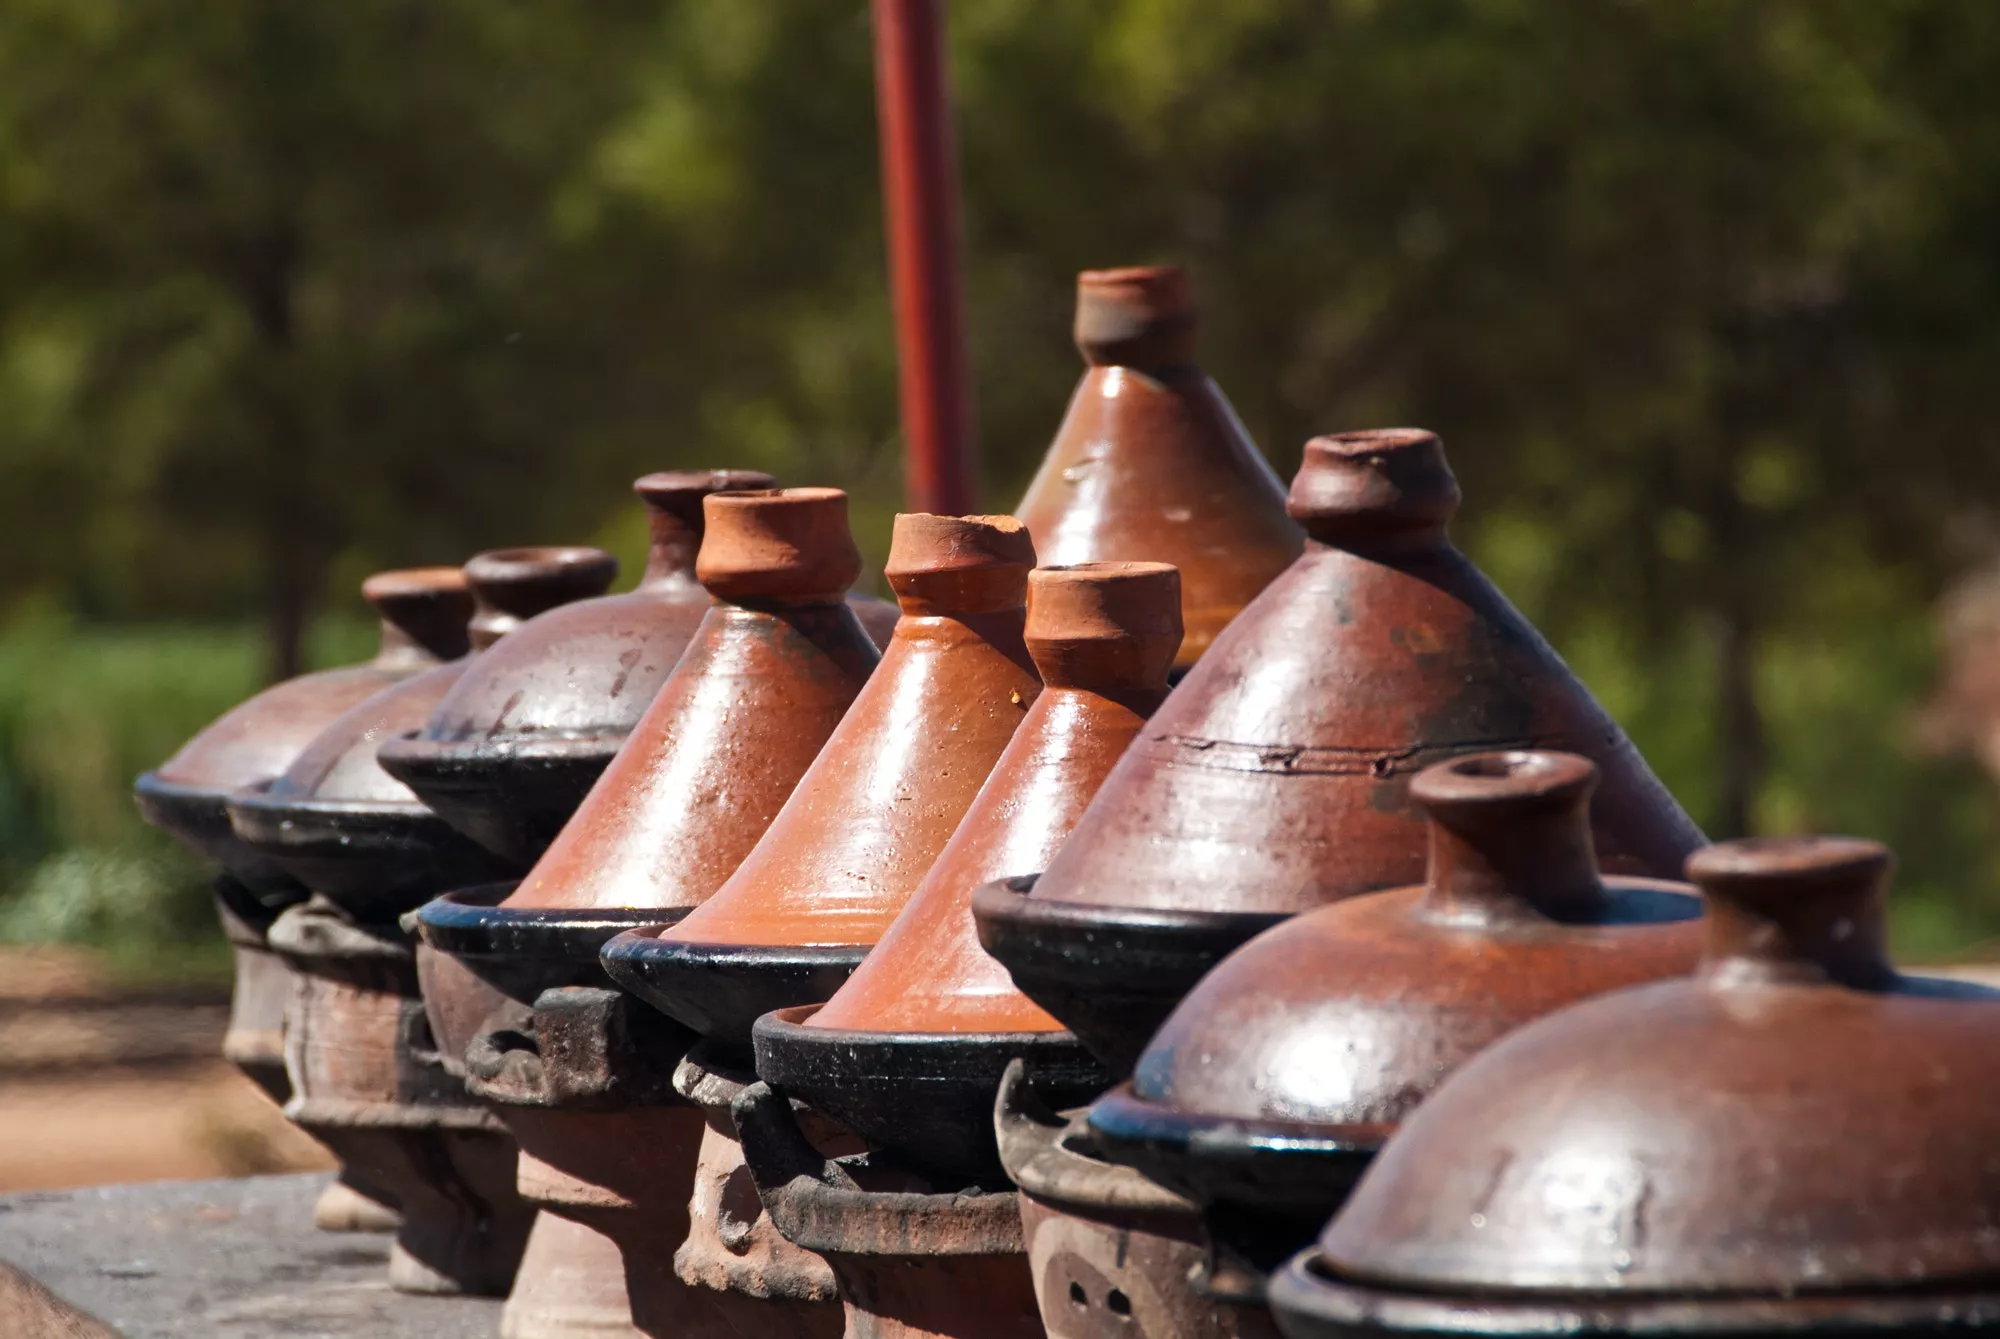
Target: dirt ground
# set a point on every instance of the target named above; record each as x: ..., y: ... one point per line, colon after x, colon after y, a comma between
x: 101, y: 1085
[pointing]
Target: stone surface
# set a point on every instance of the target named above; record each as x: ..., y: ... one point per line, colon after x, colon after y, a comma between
x: 222, y: 1260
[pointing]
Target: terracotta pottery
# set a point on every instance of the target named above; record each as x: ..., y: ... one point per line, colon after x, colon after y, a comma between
x: 1270, y: 1087
x: 765, y: 680
x: 363, y: 1084
x: 511, y: 750
x: 928, y: 1012
x: 870, y: 816
x: 1151, y: 462
x: 733, y: 1248
x: 1101, y: 1238
x: 354, y: 1023
x: 912, y: 1262
x: 339, y: 824
x: 1275, y: 778
x: 1795, y: 1140
x: 423, y: 612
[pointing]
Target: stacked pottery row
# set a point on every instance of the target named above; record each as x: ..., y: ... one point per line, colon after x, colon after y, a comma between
x: 963, y: 980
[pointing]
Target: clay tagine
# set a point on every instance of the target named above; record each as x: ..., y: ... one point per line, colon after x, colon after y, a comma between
x: 511, y: 750
x: 341, y: 825
x: 423, y: 612
x: 1271, y: 1086
x: 878, y: 804
x: 1795, y: 1140
x: 1151, y: 463
x: 765, y: 679
x: 1276, y: 777
x: 910, y: 1051
x: 363, y: 1081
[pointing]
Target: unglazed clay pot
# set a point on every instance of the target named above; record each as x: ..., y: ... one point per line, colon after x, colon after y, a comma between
x: 345, y: 828
x: 1151, y: 462
x: 515, y: 744
x: 423, y: 612
x: 1111, y: 1251
x: 912, y: 1261
x: 909, y: 1052
x: 1271, y: 1086
x: 766, y: 678
x: 365, y: 1084
x: 878, y: 804
x: 1275, y: 777
x: 1796, y: 1140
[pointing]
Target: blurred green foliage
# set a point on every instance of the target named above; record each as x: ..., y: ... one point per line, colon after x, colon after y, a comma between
x: 1702, y: 296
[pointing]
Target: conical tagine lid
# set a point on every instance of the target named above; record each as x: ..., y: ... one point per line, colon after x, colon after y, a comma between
x: 1150, y: 461
x: 1102, y: 636
x: 879, y: 802
x: 909, y: 1053
x: 344, y: 827
x: 1795, y: 1138
x: 767, y: 677
x: 1276, y: 777
x: 513, y: 746
x: 1273, y: 1083
x: 423, y: 612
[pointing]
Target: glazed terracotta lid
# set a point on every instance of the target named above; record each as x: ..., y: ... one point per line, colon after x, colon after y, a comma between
x: 1150, y: 461
x: 928, y: 1012
x: 1275, y: 779
x: 775, y: 663
x: 514, y: 745
x: 423, y: 612
x: 1273, y: 1083
x: 870, y: 816
x: 341, y: 825
x: 1796, y: 1138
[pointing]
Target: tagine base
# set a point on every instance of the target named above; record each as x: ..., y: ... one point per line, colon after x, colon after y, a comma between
x: 626, y: 1176
x: 571, y: 1285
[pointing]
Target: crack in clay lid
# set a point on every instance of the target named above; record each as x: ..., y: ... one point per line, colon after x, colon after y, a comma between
x: 1150, y: 461
x: 1795, y: 1120
x: 1276, y: 777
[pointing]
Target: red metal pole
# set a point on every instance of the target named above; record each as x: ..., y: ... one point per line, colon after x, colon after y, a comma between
x: 920, y: 192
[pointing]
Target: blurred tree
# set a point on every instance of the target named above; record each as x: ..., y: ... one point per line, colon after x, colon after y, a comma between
x: 1702, y: 296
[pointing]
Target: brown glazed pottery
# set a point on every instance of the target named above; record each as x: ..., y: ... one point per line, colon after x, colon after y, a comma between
x: 343, y: 827
x: 1110, y: 1250
x: 1795, y: 1140
x: 511, y: 750
x: 765, y: 679
x: 423, y: 612
x: 909, y: 1052
x: 1275, y: 777
x: 878, y: 804
x: 1151, y: 462
x: 1270, y: 1087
